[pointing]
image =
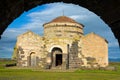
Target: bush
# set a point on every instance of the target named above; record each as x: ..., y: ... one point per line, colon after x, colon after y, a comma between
x: 10, y: 65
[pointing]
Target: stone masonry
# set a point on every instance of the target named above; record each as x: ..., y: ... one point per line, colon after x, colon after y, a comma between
x: 63, y: 46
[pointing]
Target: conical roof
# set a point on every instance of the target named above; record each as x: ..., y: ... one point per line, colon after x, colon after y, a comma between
x: 63, y: 19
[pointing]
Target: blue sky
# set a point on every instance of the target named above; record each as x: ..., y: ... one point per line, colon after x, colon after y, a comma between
x: 36, y: 17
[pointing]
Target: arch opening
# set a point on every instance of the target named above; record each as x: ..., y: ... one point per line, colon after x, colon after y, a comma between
x: 33, y: 60
x: 57, y: 57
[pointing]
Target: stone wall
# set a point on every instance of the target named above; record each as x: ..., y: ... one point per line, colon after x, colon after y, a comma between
x: 74, y: 60
x: 28, y: 43
x: 95, y: 49
x: 69, y: 30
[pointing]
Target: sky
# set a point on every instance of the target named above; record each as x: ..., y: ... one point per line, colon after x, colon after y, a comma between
x: 35, y: 18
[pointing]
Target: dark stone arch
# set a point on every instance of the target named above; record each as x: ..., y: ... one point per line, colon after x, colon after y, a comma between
x: 108, y: 10
x: 56, y: 56
x: 57, y: 48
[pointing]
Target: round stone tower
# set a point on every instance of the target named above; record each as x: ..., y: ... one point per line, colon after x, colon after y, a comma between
x: 60, y: 36
x: 63, y: 27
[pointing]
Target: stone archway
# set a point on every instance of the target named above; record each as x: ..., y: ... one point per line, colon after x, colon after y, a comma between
x: 33, y: 59
x: 56, y: 57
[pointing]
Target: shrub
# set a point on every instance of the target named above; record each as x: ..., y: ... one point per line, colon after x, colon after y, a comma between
x: 10, y: 65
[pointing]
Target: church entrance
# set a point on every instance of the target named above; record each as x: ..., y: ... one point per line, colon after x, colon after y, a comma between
x: 32, y: 59
x: 57, y: 57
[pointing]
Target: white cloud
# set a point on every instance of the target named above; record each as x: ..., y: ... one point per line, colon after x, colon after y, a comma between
x: 32, y: 26
x: 8, y: 49
x: 12, y: 33
x: 80, y: 17
x: 37, y: 19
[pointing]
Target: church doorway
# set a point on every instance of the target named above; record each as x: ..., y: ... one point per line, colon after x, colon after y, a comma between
x: 56, y: 57
x: 32, y: 59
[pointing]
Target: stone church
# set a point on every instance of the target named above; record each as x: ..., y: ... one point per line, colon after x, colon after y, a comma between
x: 63, y: 46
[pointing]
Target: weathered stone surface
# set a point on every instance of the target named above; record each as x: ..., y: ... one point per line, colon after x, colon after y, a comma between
x: 68, y: 50
x: 94, y: 46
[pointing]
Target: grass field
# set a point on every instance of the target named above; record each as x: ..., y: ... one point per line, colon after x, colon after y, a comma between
x: 29, y: 74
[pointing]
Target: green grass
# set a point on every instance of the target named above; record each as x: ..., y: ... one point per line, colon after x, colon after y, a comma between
x: 38, y: 75
x: 28, y: 74
x: 3, y: 62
